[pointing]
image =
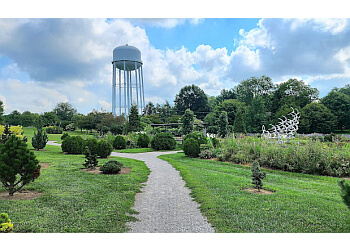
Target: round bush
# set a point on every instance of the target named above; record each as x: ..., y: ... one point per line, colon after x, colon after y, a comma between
x: 198, y: 136
x: 104, y: 148
x: 54, y: 130
x: 143, y: 141
x: 73, y: 145
x: 163, y: 141
x: 191, y: 147
x: 111, y: 167
x: 92, y: 144
x: 119, y: 142
x: 64, y: 136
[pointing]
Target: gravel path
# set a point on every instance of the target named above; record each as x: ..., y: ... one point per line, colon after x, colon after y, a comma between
x: 53, y: 143
x: 165, y: 204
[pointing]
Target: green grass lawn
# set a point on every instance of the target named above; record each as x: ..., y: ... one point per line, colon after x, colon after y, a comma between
x: 73, y: 200
x: 300, y: 204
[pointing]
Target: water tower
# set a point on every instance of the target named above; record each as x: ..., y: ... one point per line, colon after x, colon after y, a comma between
x: 127, y: 59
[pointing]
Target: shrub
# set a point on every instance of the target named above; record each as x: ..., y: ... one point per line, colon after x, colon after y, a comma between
x: 17, y: 165
x: 73, y: 145
x: 39, y: 139
x: 91, y: 159
x: 104, y: 148
x: 111, y: 167
x: 163, y: 141
x: 64, y: 136
x: 207, y: 154
x: 143, y: 141
x: 215, y: 142
x: 119, y: 142
x: 5, y: 223
x: 92, y: 145
x: 54, y: 130
x: 69, y: 127
x: 345, y: 192
x: 198, y: 136
x: 257, y: 176
x: 191, y: 147
x: 117, y: 129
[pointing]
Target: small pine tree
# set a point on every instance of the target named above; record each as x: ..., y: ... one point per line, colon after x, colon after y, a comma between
x: 239, y: 124
x: 345, y: 192
x: 39, y: 139
x: 187, y: 122
x: 6, y: 134
x: 134, y: 124
x: 223, y: 124
x: 91, y: 159
x: 257, y: 176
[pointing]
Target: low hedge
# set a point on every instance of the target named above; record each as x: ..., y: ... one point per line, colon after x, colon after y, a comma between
x: 163, y: 141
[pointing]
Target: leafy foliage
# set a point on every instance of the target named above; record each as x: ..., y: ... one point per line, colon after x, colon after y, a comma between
x: 92, y: 145
x: 198, y: 136
x: 104, y: 148
x: 6, y: 225
x: 345, y: 192
x: 223, y: 124
x: 163, y: 141
x: 257, y: 176
x: 119, y: 142
x: 17, y: 165
x: 187, y: 122
x: 6, y: 134
x: 54, y: 130
x: 73, y: 145
x: 134, y: 123
x: 239, y: 124
x: 111, y: 167
x: 143, y: 141
x: 191, y: 147
x: 64, y: 111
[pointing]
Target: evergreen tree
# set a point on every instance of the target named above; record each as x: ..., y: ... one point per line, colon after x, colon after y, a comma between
x: 256, y: 115
x: 239, y: 124
x: 91, y: 159
x: 134, y: 123
x: 18, y: 166
x: 39, y: 139
x: 257, y: 176
x: 345, y: 192
x: 187, y: 122
x: 6, y: 134
x: 223, y: 124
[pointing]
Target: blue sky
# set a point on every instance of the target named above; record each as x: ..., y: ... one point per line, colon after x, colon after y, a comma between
x: 46, y: 61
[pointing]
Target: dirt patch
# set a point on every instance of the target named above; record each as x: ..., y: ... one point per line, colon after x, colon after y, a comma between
x: 23, y: 195
x: 44, y: 165
x: 41, y: 150
x: 97, y: 171
x: 255, y: 191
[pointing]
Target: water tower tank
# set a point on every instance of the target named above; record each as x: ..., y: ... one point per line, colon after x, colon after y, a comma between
x: 127, y: 60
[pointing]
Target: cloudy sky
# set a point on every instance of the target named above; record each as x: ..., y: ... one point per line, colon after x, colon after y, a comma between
x: 46, y: 61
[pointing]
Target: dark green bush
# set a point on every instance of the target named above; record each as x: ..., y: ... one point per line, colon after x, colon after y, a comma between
x: 73, y: 145
x: 198, y: 136
x: 39, y: 139
x: 143, y: 141
x: 54, y: 130
x: 64, y: 136
x: 90, y: 159
x: 345, y: 192
x: 119, y: 142
x: 117, y: 129
x: 104, y: 148
x: 92, y: 144
x: 191, y: 147
x: 111, y: 167
x: 257, y: 176
x: 163, y: 141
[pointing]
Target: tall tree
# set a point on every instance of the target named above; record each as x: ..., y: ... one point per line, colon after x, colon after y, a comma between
x: 187, y: 121
x: 225, y: 95
x: 149, y: 109
x: 239, y: 124
x: 1, y: 111
x: 134, y: 123
x: 339, y: 104
x: 49, y: 119
x: 223, y: 124
x: 64, y: 111
x: 230, y: 106
x: 192, y: 97
x: 14, y: 118
x: 256, y: 115
x: 316, y: 118
x: 27, y: 119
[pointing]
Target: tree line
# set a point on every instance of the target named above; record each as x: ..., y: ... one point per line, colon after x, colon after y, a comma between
x: 252, y: 103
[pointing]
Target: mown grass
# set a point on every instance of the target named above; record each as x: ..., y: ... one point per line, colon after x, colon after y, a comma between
x: 73, y: 200
x: 300, y: 204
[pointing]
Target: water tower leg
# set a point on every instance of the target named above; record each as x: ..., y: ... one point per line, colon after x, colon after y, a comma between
x: 124, y: 92
x: 142, y: 104
x: 137, y: 94
x: 114, y: 89
x: 120, y: 92
x: 143, y: 89
x: 130, y: 89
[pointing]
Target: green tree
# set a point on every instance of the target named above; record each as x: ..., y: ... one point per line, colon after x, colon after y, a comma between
x: 90, y: 159
x: 27, y: 119
x: 64, y: 111
x: 230, y: 106
x: 257, y: 176
x: 316, y: 118
x: 225, y: 95
x: 223, y: 124
x: 14, y: 118
x: 339, y: 104
x: 39, y: 139
x: 6, y: 134
x: 345, y: 90
x: 192, y: 97
x: 256, y: 115
x: 134, y: 123
x: 239, y: 124
x: 187, y: 121
x: 1, y: 111
x: 345, y: 192
x: 149, y: 109
x: 49, y: 119
x: 18, y: 166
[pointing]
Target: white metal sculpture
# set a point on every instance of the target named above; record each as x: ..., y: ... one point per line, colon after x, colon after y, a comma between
x: 285, y: 129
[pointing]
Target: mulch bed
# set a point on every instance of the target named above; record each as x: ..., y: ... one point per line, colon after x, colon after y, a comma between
x: 22, y: 195
x: 44, y: 165
x: 97, y: 171
x: 255, y: 191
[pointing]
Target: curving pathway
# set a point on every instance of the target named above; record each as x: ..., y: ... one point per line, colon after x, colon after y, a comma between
x: 165, y: 204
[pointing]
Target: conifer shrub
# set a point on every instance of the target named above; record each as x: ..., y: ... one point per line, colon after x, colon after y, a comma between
x: 6, y: 225
x: 18, y: 165
x: 64, y: 136
x: 163, y: 141
x: 257, y: 176
x: 143, y: 141
x: 39, y: 139
x: 104, y: 148
x: 191, y: 147
x: 119, y: 142
x: 345, y: 192
x: 198, y: 136
x: 73, y: 145
x: 111, y: 167
x: 54, y: 130
x: 90, y: 159
x: 92, y: 145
